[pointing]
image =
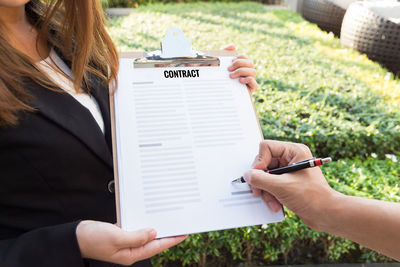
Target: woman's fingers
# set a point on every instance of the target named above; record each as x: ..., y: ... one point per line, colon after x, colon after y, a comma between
x: 136, y: 239
x: 246, y: 73
x: 107, y: 242
x: 129, y: 254
x: 230, y: 47
x: 243, y: 72
x: 241, y: 57
x: 250, y: 82
x: 156, y: 246
x: 243, y: 68
x: 241, y: 63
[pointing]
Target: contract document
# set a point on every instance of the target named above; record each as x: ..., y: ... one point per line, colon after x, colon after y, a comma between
x: 182, y: 135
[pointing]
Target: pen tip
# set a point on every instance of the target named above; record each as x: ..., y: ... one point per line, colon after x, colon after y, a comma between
x: 238, y: 180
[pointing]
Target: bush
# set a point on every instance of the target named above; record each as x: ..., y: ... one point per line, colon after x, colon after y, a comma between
x: 136, y: 3
x: 312, y: 91
x: 306, y: 95
x: 341, y: 121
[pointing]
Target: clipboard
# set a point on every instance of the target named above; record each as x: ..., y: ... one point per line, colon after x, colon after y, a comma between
x: 159, y: 59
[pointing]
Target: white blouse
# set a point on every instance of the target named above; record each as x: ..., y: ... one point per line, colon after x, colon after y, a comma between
x: 84, y: 99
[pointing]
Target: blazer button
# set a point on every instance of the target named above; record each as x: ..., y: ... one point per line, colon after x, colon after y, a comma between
x: 111, y: 186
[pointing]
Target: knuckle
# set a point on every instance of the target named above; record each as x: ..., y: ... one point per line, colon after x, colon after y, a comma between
x: 263, y: 147
x: 301, y: 150
x: 263, y: 143
x: 235, y: 63
x: 305, y: 150
x: 240, y: 72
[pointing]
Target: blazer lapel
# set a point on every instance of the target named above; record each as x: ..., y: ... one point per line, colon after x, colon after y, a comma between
x: 101, y: 93
x: 68, y: 113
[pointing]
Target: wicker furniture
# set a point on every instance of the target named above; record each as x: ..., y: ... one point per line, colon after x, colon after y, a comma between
x: 373, y: 28
x: 327, y: 14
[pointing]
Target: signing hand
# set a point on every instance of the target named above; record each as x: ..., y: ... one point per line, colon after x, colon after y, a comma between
x: 369, y: 222
x: 243, y: 68
x: 305, y: 192
x: 107, y: 242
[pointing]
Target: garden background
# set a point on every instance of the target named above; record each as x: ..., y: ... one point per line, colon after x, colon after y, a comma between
x: 313, y: 91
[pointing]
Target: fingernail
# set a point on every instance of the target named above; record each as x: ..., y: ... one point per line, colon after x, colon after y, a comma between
x: 153, y: 234
x: 247, y: 175
x: 230, y: 68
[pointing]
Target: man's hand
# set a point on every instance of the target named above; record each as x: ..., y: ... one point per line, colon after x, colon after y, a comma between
x: 371, y: 223
x: 107, y: 242
x: 305, y: 192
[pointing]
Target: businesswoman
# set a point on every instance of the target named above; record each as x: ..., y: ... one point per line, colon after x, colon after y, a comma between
x: 56, y: 195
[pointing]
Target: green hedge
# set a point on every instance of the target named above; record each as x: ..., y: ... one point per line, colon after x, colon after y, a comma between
x: 305, y: 96
x: 311, y: 91
x: 136, y: 3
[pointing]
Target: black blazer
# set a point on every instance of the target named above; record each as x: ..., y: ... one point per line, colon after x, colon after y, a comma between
x: 55, y: 170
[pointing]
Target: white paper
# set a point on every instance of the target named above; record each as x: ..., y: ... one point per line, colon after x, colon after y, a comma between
x: 180, y: 143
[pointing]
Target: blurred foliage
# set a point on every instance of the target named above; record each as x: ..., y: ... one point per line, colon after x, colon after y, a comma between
x: 136, y: 3
x: 334, y: 104
x: 313, y: 91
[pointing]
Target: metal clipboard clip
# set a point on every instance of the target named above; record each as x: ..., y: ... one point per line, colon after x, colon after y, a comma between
x: 176, y: 51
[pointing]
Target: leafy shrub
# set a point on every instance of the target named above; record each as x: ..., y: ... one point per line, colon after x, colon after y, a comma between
x: 312, y: 91
x: 341, y: 121
x: 136, y: 3
x: 305, y: 96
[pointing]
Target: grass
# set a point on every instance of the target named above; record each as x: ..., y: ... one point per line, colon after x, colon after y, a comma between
x: 279, y: 42
x: 312, y: 90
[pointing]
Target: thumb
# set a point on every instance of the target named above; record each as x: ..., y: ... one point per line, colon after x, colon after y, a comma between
x: 264, y: 181
x: 136, y: 239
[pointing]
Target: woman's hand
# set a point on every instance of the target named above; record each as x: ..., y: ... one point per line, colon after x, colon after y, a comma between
x: 305, y: 192
x: 107, y: 242
x: 243, y: 68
